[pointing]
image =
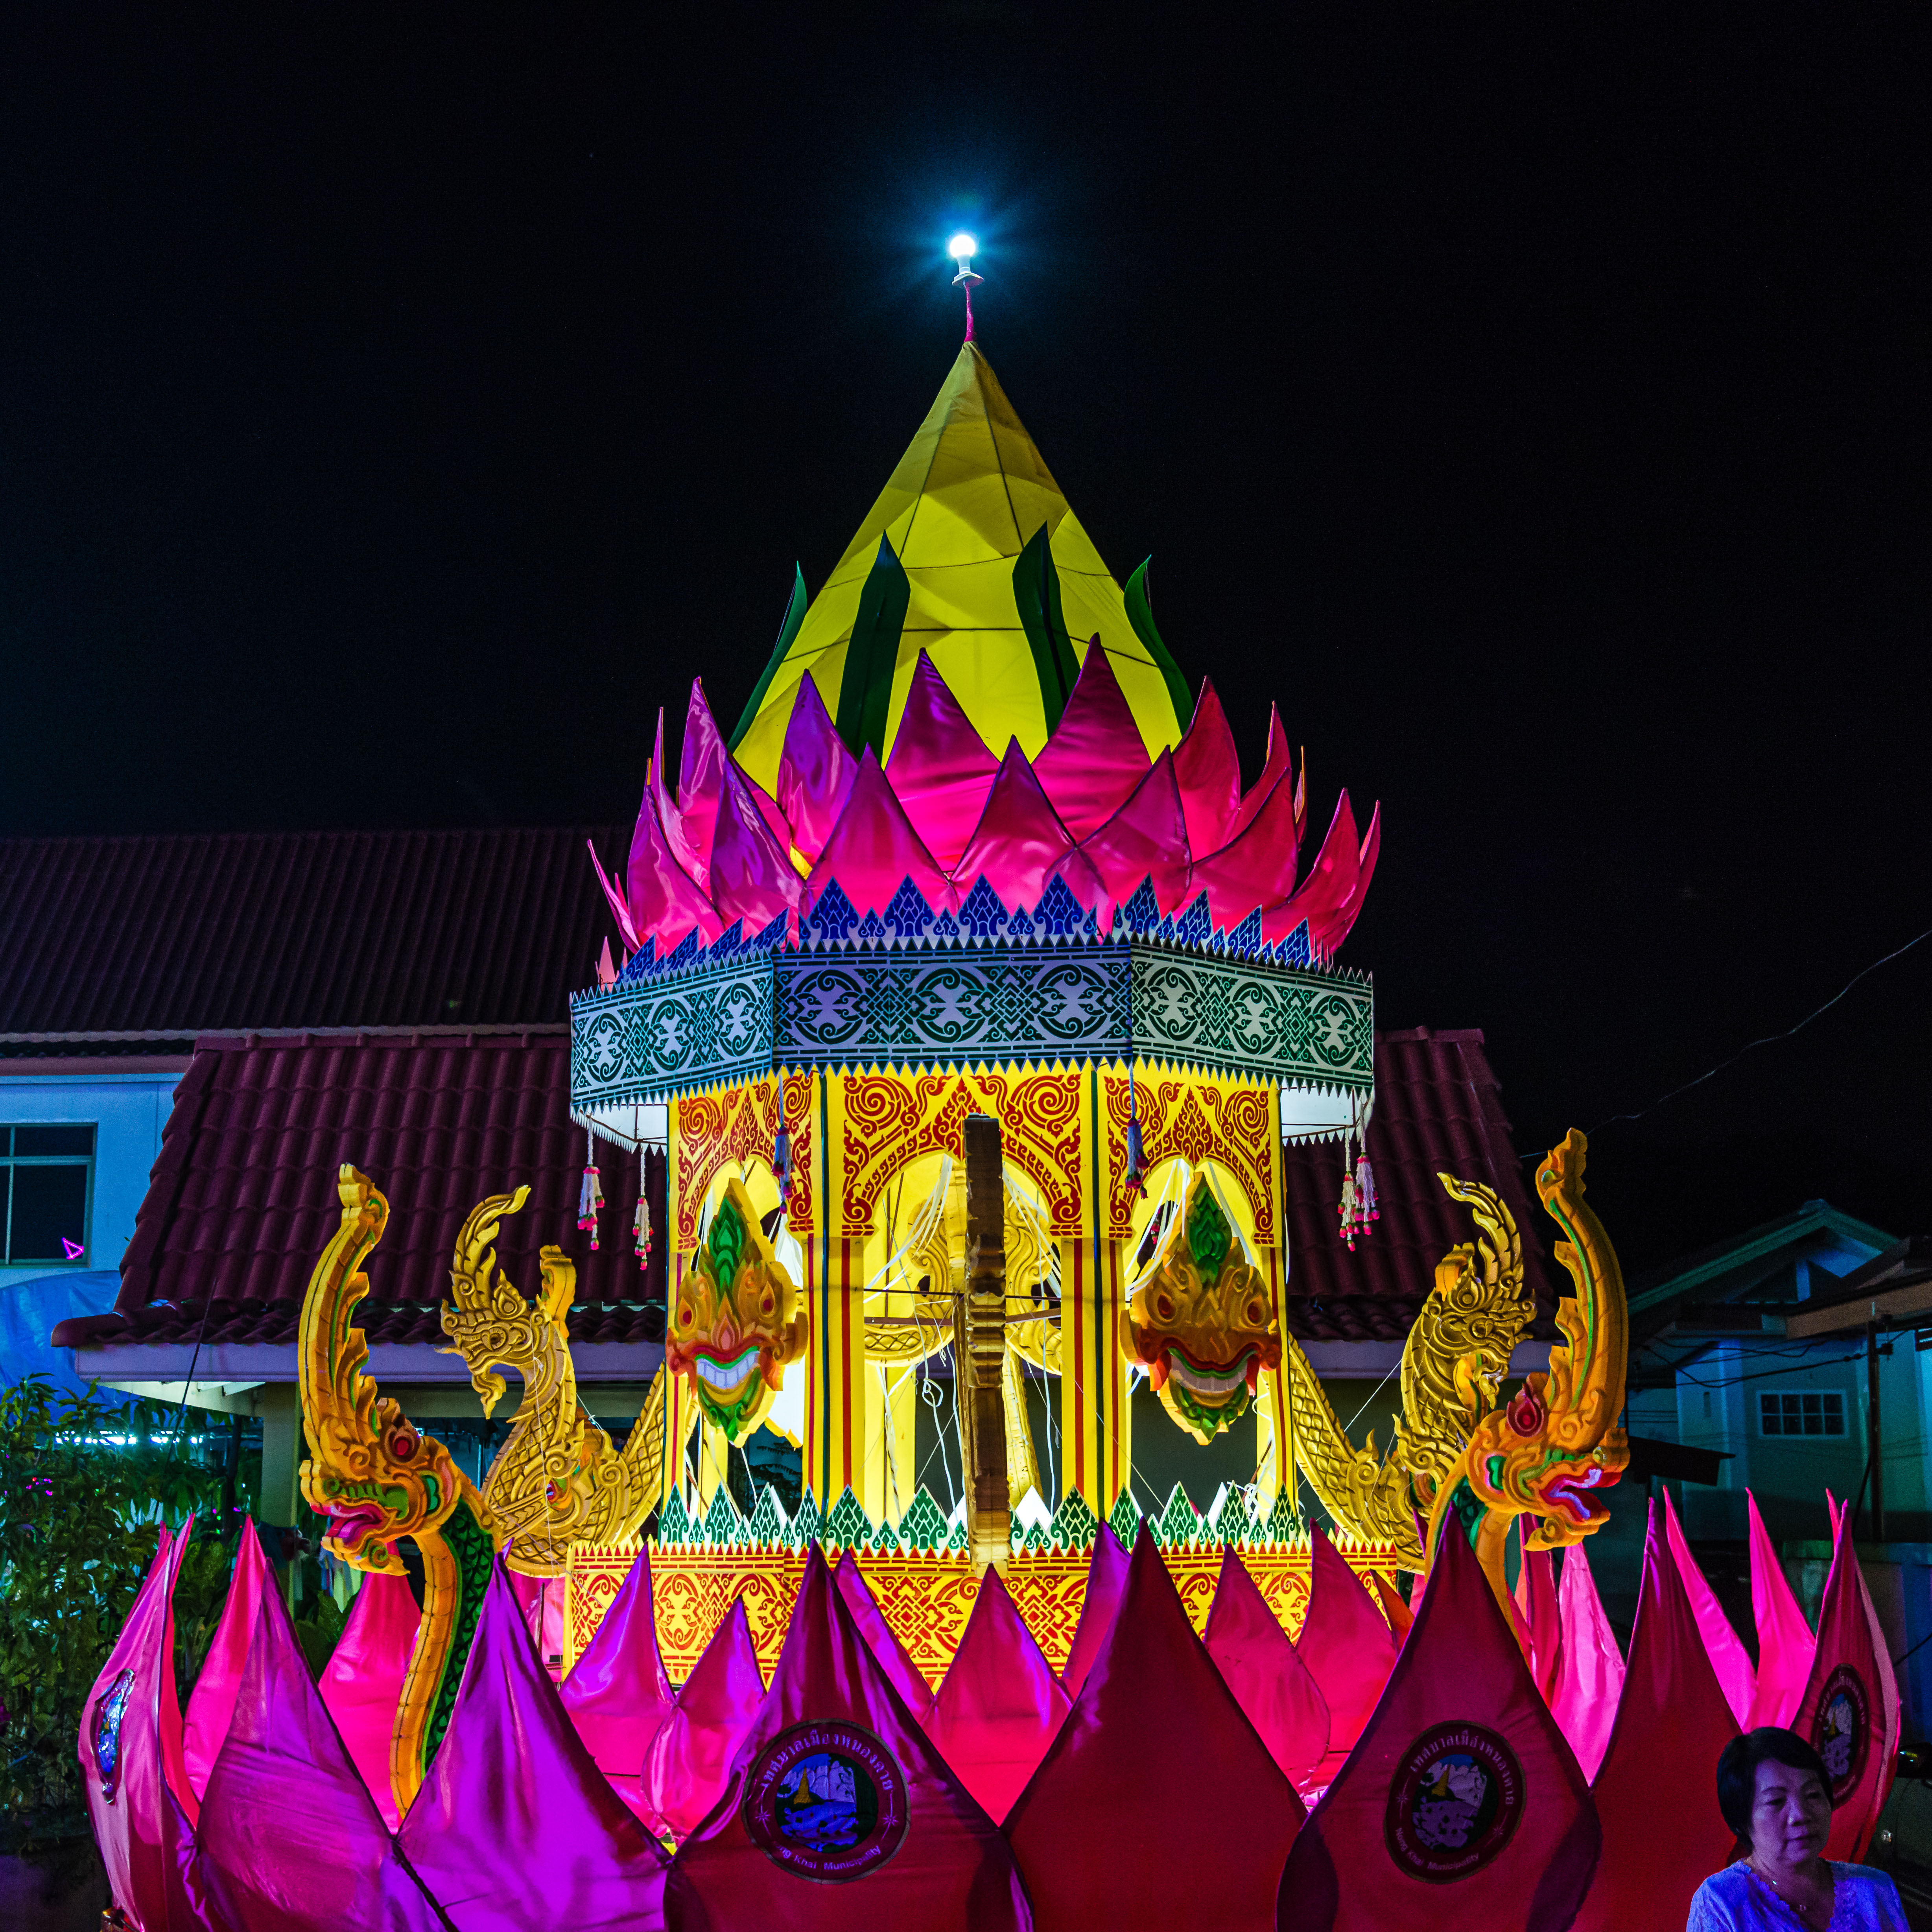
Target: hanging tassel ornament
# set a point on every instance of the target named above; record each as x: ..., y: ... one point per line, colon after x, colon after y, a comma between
x: 590, y: 1196
x: 1351, y: 1223
x: 1367, y: 1208
x: 1136, y: 1177
x: 781, y: 1165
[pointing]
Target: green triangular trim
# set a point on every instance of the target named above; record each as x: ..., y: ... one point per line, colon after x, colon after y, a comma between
x: 1036, y: 596
x: 865, y: 691
x: 1124, y: 1519
x: 1140, y: 614
x: 794, y: 615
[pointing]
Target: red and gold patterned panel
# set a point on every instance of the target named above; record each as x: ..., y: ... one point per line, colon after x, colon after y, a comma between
x: 738, y: 1123
x: 1186, y: 1117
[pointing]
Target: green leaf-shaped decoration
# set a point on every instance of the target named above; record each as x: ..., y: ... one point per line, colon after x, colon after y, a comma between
x: 794, y: 615
x: 923, y: 1525
x: 767, y: 1528
x: 865, y: 690
x: 1074, y: 1526
x: 1124, y: 1519
x: 722, y: 1523
x: 1282, y: 1525
x: 1037, y: 596
x: 674, y: 1525
x: 1140, y: 614
x: 1179, y: 1523
x: 804, y: 1525
x: 1208, y: 1235
x: 848, y: 1525
x: 727, y: 1243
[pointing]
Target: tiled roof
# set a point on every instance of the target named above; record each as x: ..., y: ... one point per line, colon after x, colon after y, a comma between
x: 242, y: 1199
x: 167, y: 937
x: 1438, y: 1110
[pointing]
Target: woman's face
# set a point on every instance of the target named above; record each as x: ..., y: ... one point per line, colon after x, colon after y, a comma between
x: 1791, y: 1818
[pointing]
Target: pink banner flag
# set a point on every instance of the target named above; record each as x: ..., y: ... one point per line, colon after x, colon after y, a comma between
x: 1000, y: 1705
x: 1269, y: 1680
x: 618, y: 1695
x: 1106, y: 1584
x: 1785, y: 1644
x: 689, y: 1761
x: 290, y: 1840
x: 1536, y: 1605
x: 1461, y: 1805
x: 1849, y: 1708
x: 1348, y: 1649
x: 362, y: 1682
x: 836, y: 1784
x: 1157, y: 1804
x: 1729, y: 1657
x: 515, y: 1826
x: 1590, y: 1667
x: 907, y: 1679
x: 212, y: 1702
x: 1673, y: 1724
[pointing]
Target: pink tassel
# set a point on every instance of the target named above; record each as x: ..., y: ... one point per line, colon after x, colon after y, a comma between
x: 590, y: 1196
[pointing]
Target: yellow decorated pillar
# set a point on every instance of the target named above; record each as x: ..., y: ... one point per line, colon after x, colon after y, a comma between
x: 835, y: 1402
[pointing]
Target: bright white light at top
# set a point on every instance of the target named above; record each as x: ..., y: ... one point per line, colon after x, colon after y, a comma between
x: 962, y: 247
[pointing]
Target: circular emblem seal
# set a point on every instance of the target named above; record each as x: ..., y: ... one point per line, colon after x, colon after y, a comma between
x: 106, y: 1737
x: 1841, y: 1731
x: 826, y: 1800
x: 1456, y: 1800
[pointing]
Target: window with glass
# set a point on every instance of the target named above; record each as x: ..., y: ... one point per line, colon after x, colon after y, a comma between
x: 46, y: 1189
x: 1801, y: 1412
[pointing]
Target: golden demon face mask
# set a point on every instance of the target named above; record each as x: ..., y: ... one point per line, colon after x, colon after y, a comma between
x: 735, y: 1321
x: 1203, y: 1321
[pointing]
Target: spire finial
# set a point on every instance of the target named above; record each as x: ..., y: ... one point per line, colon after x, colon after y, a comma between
x: 962, y: 248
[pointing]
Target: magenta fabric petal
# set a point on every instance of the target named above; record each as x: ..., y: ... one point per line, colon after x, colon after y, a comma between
x: 1106, y: 1584
x: 1536, y: 1607
x: 1263, y: 1669
x: 1329, y: 887
x: 701, y: 763
x: 1207, y: 769
x: 1589, y: 1665
x: 689, y: 1764
x: 1095, y: 756
x: 620, y: 907
x: 1254, y: 870
x: 1019, y: 843
x: 951, y: 1870
x: 689, y: 838
x: 1785, y: 1644
x: 666, y: 903
x: 1348, y: 1650
x: 211, y: 1703
x: 362, y: 1682
x: 770, y: 811
x: 815, y: 772
x: 515, y: 1826
x: 752, y: 877
x: 1147, y: 839
x: 618, y: 1696
x: 290, y: 1839
x: 939, y: 766
x: 1275, y: 770
x: 908, y: 1680
x: 1729, y: 1657
x: 873, y: 847
x: 1327, y: 933
x: 1157, y: 1804
x: 1000, y: 1705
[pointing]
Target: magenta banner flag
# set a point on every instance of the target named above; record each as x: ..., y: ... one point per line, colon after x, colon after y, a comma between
x: 1348, y: 1649
x: 1785, y: 1644
x: 362, y: 1682
x: 1000, y: 1705
x: 1536, y: 1605
x: 907, y: 1679
x: 1461, y: 1804
x: 1657, y: 1791
x: 290, y: 1839
x: 132, y: 1769
x: 840, y: 1812
x: 515, y: 1826
x: 1729, y: 1657
x: 1269, y: 1680
x: 1157, y: 1804
x: 1590, y: 1667
x: 689, y: 1761
x: 1106, y: 1584
x: 618, y: 1695
x: 212, y: 1701
x: 1849, y: 1708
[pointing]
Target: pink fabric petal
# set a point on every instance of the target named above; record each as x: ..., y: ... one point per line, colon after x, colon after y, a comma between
x: 1589, y: 1668
x: 1536, y: 1607
x: 1329, y: 933
x: 908, y: 1680
x: 873, y: 847
x: 362, y: 1682
x: 291, y: 1839
x: 618, y: 1695
x: 689, y: 839
x: 1147, y: 839
x: 815, y: 772
x: 620, y: 909
x: 1207, y: 769
x: 701, y: 762
x: 1154, y: 1772
x: 952, y: 1869
x: 768, y: 810
x: 1254, y: 870
x: 1095, y: 756
x: 1262, y: 1669
x: 1785, y: 1644
x: 1348, y: 1650
x: 1274, y: 770
x: 666, y: 902
x: 1000, y: 1704
x: 512, y: 1781
x: 939, y: 766
x: 689, y: 1761
x: 752, y: 878
x: 1106, y: 1584
x: 1019, y: 843
x: 211, y: 1703
x: 1329, y: 885
x: 1729, y: 1657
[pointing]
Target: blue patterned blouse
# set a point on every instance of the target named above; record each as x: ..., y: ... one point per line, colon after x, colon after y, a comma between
x: 1736, y: 1899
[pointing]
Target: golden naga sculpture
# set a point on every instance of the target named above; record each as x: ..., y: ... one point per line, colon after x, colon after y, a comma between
x: 737, y: 1320
x: 1202, y: 1319
x: 559, y: 1480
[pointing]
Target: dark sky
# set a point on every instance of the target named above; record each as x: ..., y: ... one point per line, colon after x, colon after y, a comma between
x: 396, y: 409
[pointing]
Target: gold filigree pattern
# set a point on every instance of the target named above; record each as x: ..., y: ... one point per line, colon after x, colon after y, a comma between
x: 740, y: 1124
x: 1187, y: 1118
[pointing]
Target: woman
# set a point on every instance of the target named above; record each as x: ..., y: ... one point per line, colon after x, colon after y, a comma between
x: 1772, y: 1789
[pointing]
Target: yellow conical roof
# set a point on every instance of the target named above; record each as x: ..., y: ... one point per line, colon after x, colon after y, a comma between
x: 964, y: 502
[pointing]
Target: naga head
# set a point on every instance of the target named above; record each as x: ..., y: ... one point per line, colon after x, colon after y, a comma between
x: 487, y: 1322
x: 735, y: 1320
x: 1203, y: 1320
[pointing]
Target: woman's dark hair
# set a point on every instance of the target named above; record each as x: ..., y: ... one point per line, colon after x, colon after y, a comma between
x: 1737, y: 1770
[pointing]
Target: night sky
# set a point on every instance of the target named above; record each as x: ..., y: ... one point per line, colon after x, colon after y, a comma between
x: 394, y: 411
